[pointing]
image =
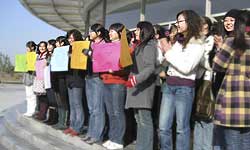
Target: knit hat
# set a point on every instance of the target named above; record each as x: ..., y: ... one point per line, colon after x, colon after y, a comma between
x: 232, y: 13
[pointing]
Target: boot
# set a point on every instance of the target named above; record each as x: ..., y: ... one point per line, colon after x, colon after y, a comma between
x: 61, y: 125
x: 53, y: 118
x: 37, y: 112
x: 48, y: 115
x: 41, y: 115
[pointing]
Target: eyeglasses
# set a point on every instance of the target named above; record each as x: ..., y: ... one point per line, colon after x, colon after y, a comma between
x: 177, y: 22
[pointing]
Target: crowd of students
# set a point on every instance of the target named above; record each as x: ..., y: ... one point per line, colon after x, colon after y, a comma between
x: 158, y: 89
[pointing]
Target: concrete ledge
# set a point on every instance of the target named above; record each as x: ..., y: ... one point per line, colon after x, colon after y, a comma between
x: 42, y: 136
x: 11, y: 142
x: 41, y: 127
x: 38, y: 139
x: 76, y: 141
x: 2, y: 147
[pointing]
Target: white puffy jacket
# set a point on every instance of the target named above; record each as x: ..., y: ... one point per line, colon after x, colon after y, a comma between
x: 183, y: 62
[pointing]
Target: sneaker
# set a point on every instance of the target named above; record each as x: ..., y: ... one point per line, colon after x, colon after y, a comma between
x: 113, y: 145
x: 67, y: 131
x: 105, y: 144
x: 73, y: 133
x: 91, y: 141
x: 85, y: 138
x: 59, y: 126
x: 27, y: 115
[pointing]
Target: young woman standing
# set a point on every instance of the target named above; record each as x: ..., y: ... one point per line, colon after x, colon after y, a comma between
x: 75, y: 83
x: 42, y: 98
x: 226, y: 31
x: 114, y: 96
x: 28, y: 79
x: 163, y: 43
x: 61, y: 92
x: 94, y: 88
x: 178, y: 90
x: 232, y: 102
x: 141, y: 84
x: 203, y: 130
x: 50, y: 82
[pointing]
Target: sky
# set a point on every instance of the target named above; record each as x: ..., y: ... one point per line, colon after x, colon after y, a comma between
x: 18, y: 25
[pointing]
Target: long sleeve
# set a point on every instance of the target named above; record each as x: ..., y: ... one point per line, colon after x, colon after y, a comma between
x: 223, y: 57
x: 208, y: 45
x: 185, y: 60
x: 149, y: 61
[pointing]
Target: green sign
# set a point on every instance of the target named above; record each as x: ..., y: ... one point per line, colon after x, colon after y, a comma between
x: 21, y: 63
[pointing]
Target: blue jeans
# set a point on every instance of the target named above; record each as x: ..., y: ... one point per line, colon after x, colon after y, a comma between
x: 76, y: 108
x: 236, y: 138
x: 94, y: 93
x: 145, y: 132
x: 203, y: 135
x: 176, y: 100
x: 218, y: 138
x: 114, y: 101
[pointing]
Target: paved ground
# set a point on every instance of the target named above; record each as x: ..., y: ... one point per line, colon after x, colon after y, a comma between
x: 13, y: 94
x: 1, y: 146
x: 10, y: 95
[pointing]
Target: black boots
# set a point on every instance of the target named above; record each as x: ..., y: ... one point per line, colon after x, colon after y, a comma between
x: 41, y: 115
x: 52, y: 116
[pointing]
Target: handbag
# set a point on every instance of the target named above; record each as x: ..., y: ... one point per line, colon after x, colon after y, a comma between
x: 205, y: 101
x: 38, y: 87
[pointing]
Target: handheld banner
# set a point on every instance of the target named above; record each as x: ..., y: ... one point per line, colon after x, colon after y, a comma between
x: 20, y: 63
x: 60, y: 59
x: 106, y: 57
x: 31, y: 61
x: 78, y: 59
x: 125, y: 57
x: 40, y: 65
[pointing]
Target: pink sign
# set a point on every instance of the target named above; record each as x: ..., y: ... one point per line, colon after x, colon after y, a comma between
x: 106, y: 56
x: 40, y: 65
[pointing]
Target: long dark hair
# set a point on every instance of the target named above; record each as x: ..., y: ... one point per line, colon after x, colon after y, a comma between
x: 160, y: 30
x: 52, y: 42
x: 146, y: 33
x: 31, y: 45
x: 206, y: 20
x: 234, y: 13
x: 193, y: 21
x: 63, y: 39
x: 104, y: 34
x: 76, y: 34
x: 38, y: 45
x: 241, y: 22
x: 173, y: 28
x: 118, y: 27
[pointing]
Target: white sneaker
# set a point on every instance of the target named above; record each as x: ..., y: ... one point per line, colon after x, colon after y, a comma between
x: 105, y: 144
x: 27, y: 115
x: 113, y: 146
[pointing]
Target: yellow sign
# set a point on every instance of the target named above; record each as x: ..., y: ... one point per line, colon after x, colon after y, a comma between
x: 31, y: 60
x: 125, y: 57
x: 78, y: 59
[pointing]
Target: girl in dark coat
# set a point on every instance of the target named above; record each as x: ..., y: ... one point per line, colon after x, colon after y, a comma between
x: 141, y: 84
